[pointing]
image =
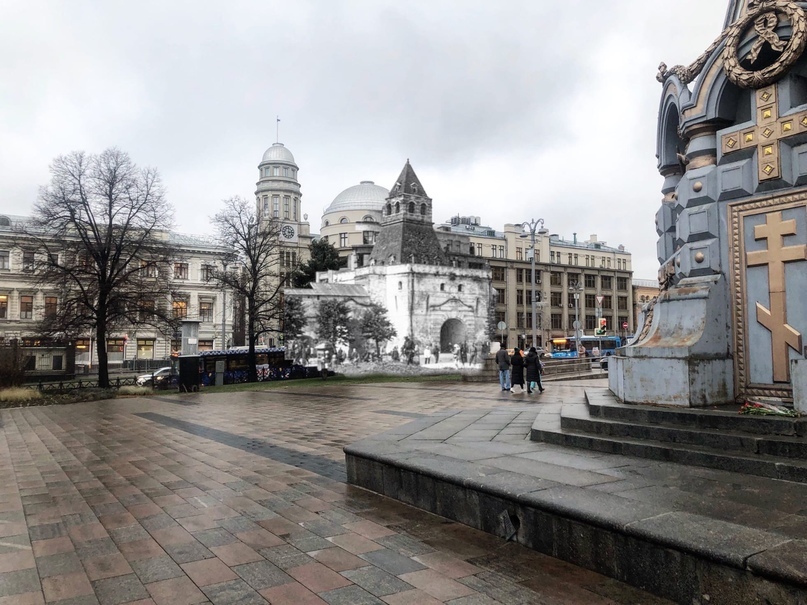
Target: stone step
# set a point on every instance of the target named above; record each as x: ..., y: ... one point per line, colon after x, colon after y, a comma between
x: 787, y: 469
x: 722, y: 418
x: 579, y: 420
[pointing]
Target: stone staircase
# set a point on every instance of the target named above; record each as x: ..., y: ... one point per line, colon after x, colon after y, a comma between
x: 718, y: 438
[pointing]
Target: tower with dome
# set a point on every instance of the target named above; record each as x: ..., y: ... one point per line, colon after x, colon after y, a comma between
x: 278, y: 196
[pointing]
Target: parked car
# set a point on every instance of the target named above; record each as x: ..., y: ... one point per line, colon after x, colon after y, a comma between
x: 157, y: 375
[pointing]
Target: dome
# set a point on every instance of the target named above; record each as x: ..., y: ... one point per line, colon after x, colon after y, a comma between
x: 277, y: 152
x: 364, y: 196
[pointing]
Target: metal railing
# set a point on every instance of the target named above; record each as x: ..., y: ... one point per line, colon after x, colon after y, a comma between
x: 71, y: 385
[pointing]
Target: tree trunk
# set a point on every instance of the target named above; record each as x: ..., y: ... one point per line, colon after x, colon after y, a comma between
x: 103, y: 358
x: 252, y: 375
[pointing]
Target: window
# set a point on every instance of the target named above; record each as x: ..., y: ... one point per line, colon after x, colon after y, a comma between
x: 573, y: 279
x: 265, y: 205
x: 501, y: 251
x: 552, y: 257
x: 500, y: 316
x: 519, y: 320
x: 519, y: 276
x: 180, y: 309
x: 208, y: 272
x: 275, y: 170
x: 145, y: 348
x: 423, y: 209
x: 50, y: 307
x: 4, y: 259
x: 286, y: 206
x: 622, y: 321
x: 605, y: 281
x: 576, y: 262
x: 27, y: 261
x: 205, y: 345
x: 180, y: 270
x: 622, y: 283
x: 267, y: 172
x: 622, y: 303
x: 519, y: 253
x: 276, y: 206
x: 3, y: 306
x: 146, y: 310
x: 148, y: 269
x: 343, y: 220
x: 26, y: 307
x: 368, y: 237
x: 570, y: 258
x: 537, y: 276
x: 591, y: 301
x: 400, y: 285
x: 501, y: 295
x: 556, y: 299
x: 519, y: 297
x: 557, y: 321
x: 498, y: 273
x: 343, y: 240
x: 442, y: 287
x: 285, y: 171
x: 206, y: 310
x: 411, y: 208
x: 479, y: 249
x: 294, y: 208
x: 609, y: 263
x: 115, y: 349
x: 591, y: 322
x: 607, y: 302
x: 555, y: 278
x: 459, y: 287
x: 493, y: 250
x: 591, y: 281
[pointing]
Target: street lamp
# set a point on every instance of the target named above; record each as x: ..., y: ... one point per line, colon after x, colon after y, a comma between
x: 532, y: 227
x: 576, y: 289
x: 224, y: 306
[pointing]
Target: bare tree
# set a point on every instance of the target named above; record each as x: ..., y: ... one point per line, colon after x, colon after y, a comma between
x: 101, y: 233
x: 254, y: 273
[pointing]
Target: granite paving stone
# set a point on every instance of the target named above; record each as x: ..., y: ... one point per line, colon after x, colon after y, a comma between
x: 241, y: 498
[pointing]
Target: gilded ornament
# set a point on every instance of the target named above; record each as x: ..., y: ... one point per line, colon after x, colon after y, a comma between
x: 697, y: 186
x: 699, y: 257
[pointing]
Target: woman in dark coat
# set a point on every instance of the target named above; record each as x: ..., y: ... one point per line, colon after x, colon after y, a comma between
x: 517, y: 369
x: 533, y: 365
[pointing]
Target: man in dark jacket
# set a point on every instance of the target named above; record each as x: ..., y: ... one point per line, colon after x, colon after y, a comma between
x: 503, y: 361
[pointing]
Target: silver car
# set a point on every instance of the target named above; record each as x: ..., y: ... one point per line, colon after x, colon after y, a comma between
x: 146, y: 379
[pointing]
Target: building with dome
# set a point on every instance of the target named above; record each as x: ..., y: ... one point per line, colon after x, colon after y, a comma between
x: 352, y: 221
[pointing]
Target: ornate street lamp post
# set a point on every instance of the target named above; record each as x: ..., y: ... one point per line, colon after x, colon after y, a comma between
x: 532, y: 226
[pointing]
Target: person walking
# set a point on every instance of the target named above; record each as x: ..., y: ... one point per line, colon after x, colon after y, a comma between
x: 503, y: 361
x: 427, y: 355
x: 532, y: 363
x: 517, y: 371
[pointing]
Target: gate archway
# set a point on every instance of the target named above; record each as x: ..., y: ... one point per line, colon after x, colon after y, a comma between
x: 452, y: 332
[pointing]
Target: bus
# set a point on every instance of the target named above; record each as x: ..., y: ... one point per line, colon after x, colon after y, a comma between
x: 271, y: 364
x: 594, y: 346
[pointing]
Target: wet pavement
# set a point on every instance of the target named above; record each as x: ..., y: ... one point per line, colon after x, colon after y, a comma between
x: 241, y: 498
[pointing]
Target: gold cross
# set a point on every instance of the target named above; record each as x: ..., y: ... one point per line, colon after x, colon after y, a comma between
x: 783, y: 336
x: 766, y: 133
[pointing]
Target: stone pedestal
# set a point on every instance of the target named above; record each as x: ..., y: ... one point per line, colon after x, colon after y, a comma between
x: 798, y: 377
x: 684, y: 357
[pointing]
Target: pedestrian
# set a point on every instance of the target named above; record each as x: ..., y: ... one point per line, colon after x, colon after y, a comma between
x: 533, y: 365
x: 436, y: 353
x: 474, y: 354
x: 457, y: 355
x: 427, y: 355
x: 503, y: 362
x: 395, y: 355
x: 464, y: 353
x: 517, y: 371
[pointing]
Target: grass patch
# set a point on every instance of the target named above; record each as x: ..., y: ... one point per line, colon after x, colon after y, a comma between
x: 18, y: 394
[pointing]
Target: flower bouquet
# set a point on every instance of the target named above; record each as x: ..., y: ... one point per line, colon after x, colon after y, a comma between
x: 759, y: 408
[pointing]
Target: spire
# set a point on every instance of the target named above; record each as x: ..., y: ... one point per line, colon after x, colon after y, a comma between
x: 407, y: 183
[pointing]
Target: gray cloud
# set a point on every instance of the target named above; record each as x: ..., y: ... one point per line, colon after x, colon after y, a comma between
x: 507, y: 110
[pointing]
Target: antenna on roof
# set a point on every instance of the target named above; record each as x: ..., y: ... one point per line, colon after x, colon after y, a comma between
x: 277, y: 130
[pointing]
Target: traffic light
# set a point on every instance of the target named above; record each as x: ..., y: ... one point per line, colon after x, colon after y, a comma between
x: 601, y: 330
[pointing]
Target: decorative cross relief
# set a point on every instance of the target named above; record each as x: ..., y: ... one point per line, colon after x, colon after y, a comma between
x: 783, y: 336
x: 766, y: 134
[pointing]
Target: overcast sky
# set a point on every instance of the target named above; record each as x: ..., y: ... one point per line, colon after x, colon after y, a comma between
x: 508, y: 110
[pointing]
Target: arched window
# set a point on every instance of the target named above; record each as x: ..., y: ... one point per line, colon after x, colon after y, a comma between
x: 368, y: 219
x: 343, y: 220
x: 411, y: 207
x: 4, y: 221
x: 423, y: 209
x: 327, y: 223
x: 388, y: 209
x: 397, y: 207
x: 400, y: 285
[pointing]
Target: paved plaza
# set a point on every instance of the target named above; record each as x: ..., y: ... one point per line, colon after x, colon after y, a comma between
x: 241, y: 498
